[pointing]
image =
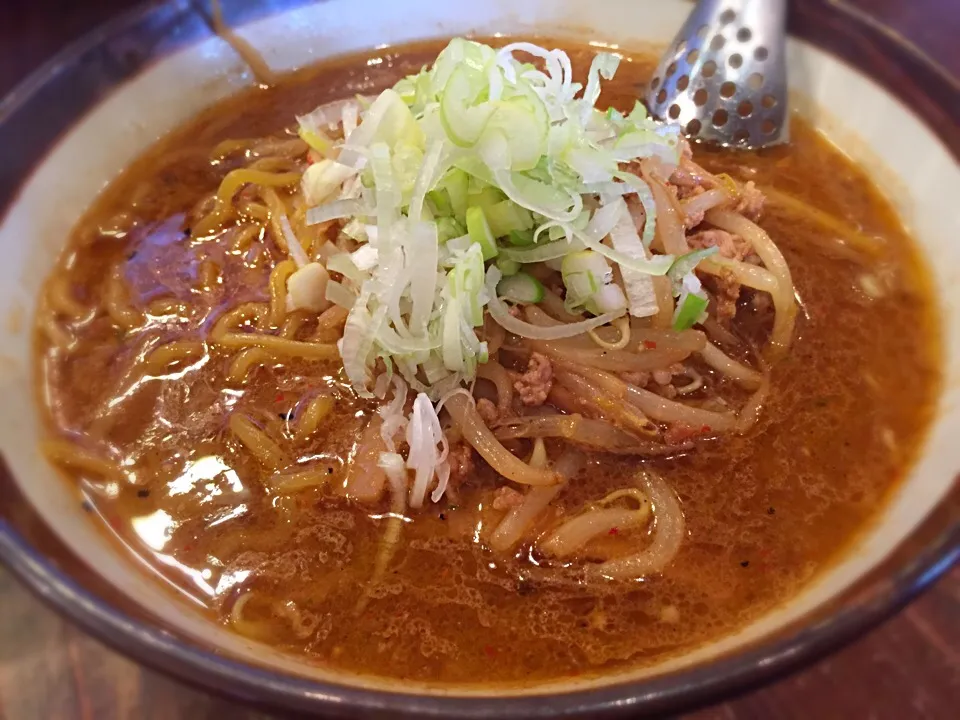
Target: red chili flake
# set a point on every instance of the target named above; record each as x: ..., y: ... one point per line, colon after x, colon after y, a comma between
x: 614, y: 531
x: 278, y: 398
x: 705, y: 429
x: 489, y: 650
x: 650, y: 344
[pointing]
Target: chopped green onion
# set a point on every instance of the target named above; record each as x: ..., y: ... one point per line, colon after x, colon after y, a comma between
x: 479, y: 231
x: 456, y: 184
x: 506, y: 217
x: 521, y: 288
x: 508, y: 266
x: 686, y: 263
x: 689, y: 311
x: 462, y: 113
x: 584, y: 273
x: 439, y: 199
x: 317, y: 140
x: 484, y: 196
x: 609, y: 298
x: 520, y: 238
x: 449, y: 228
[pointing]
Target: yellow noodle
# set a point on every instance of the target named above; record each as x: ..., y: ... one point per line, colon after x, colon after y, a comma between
x: 293, y: 482
x: 278, y: 291
x: 664, y: 293
x: 236, y: 612
x: 257, y: 442
x: 167, y: 306
x: 623, y: 325
x: 208, y: 274
x: 249, y: 628
x: 273, y: 425
x: 233, y: 319
x: 256, y: 210
x: 275, y: 165
x: 498, y: 375
x: 288, y: 147
x: 244, y: 360
x: 784, y: 300
x: 306, y: 234
x: 277, y: 211
x: 493, y: 333
x: 849, y: 237
x: 316, y: 411
x: 723, y: 363
x: 245, y: 236
x: 279, y: 345
x: 60, y: 297
x: 160, y: 359
x: 71, y: 455
x: 230, y: 146
x: 752, y: 276
x: 117, y: 302
x: 292, y: 324
x: 223, y: 209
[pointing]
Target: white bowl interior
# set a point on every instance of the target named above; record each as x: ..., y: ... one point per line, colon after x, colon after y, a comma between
x: 888, y: 139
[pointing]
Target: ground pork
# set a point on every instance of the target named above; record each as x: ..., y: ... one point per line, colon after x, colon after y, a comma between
x: 488, y: 411
x: 691, y: 220
x: 725, y: 291
x: 690, y: 179
x: 667, y: 391
x: 751, y: 201
x: 506, y: 498
x: 461, y: 468
x: 665, y: 376
x: 640, y: 379
x: 731, y: 246
x: 534, y: 385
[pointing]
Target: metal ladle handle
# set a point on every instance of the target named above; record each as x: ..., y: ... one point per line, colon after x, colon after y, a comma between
x: 723, y: 78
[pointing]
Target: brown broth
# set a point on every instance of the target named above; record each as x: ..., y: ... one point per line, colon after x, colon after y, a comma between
x: 765, y: 513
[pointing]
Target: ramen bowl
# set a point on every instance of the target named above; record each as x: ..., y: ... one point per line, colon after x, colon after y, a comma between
x: 80, y: 120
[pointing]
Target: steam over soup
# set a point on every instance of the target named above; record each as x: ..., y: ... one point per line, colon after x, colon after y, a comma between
x: 436, y: 368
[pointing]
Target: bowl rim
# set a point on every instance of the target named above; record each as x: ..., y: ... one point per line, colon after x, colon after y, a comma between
x: 682, y: 689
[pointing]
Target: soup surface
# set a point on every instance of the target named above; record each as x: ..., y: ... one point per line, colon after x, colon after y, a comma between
x: 765, y: 511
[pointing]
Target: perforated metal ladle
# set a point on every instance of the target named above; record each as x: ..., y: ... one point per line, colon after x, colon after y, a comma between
x: 723, y: 78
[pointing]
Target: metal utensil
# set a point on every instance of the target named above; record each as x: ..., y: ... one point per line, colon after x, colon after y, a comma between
x: 723, y: 78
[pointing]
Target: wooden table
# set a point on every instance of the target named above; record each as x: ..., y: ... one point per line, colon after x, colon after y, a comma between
x: 909, y: 668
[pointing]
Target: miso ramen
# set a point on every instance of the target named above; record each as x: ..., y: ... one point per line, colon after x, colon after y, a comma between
x: 448, y: 363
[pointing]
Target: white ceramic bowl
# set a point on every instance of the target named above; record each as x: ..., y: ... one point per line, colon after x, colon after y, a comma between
x: 191, y: 71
